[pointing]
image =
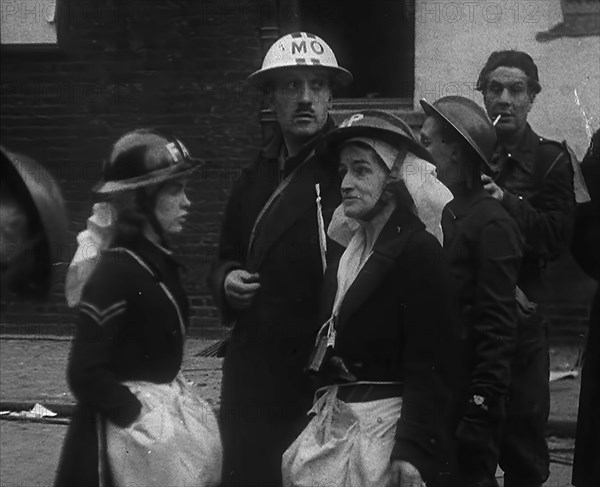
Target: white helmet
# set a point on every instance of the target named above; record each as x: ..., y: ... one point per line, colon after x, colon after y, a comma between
x: 300, y: 49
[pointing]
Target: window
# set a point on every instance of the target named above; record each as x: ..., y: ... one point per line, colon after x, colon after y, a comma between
x: 373, y: 40
x: 28, y: 23
x: 580, y: 18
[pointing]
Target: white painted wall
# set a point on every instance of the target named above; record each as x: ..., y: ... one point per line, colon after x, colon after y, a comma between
x: 453, y: 40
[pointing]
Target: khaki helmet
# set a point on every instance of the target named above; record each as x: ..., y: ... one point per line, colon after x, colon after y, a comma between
x: 300, y: 50
x: 142, y: 158
x: 34, y: 226
x: 468, y: 119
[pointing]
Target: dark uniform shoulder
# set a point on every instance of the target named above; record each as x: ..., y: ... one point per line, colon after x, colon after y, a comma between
x: 105, y: 294
x: 551, y: 147
x: 552, y: 154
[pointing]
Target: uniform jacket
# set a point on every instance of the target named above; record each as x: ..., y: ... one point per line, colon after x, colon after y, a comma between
x: 132, y: 319
x: 538, y: 181
x: 398, y: 322
x: 586, y: 241
x: 271, y: 340
x: 483, y: 245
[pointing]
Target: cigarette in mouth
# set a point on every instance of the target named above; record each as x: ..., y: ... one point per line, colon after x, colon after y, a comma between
x: 496, y: 120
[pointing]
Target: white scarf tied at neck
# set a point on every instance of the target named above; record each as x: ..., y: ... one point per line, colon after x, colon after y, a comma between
x: 428, y: 193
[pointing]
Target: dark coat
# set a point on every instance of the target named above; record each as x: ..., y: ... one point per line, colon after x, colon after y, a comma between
x: 265, y: 394
x: 398, y: 322
x: 130, y: 328
x: 483, y: 245
x: 537, y: 178
x: 586, y: 242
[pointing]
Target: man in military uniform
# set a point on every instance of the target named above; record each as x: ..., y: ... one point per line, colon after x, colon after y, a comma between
x: 268, y: 272
x: 483, y: 245
x: 533, y: 179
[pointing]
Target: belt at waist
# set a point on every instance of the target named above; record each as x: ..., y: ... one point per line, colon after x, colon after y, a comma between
x: 368, y: 392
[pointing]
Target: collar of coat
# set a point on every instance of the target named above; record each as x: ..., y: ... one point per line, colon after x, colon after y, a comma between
x: 156, y: 257
x: 465, y: 198
x: 272, y: 148
x: 384, y: 257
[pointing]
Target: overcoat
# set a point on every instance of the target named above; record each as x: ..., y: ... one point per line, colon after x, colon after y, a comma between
x: 398, y: 322
x: 586, y: 241
x: 483, y: 245
x: 132, y: 319
x: 265, y: 394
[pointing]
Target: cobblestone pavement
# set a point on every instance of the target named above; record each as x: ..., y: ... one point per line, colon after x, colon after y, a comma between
x: 34, y: 371
x: 30, y: 452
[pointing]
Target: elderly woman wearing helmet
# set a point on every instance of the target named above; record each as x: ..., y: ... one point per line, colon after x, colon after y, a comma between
x: 389, y: 319
x: 124, y: 367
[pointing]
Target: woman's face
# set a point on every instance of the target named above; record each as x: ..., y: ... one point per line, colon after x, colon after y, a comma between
x: 363, y: 179
x: 171, y: 205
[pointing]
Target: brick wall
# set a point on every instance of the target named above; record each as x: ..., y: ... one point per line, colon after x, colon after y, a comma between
x: 178, y: 66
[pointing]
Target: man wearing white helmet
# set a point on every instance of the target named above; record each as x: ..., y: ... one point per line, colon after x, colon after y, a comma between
x: 268, y: 272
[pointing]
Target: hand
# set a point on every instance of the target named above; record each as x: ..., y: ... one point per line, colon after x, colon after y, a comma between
x: 405, y: 474
x: 492, y: 188
x: 128, y: 414
x: 240, y: 288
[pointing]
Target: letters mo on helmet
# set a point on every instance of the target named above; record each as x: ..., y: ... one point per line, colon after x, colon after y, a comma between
x: 297, y: 50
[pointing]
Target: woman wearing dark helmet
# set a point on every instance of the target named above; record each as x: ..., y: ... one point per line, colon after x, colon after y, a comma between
x: 133, y: 309
x: 384, y: 349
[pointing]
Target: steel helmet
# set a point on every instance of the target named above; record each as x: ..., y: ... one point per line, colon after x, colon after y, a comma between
x: 300, y: 49
x: 142, y: 158
x: 469, y: 120
x: 29, y: 257
x: 381, y: 125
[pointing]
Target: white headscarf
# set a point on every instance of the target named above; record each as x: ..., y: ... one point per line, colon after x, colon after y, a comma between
x: 419, y: 176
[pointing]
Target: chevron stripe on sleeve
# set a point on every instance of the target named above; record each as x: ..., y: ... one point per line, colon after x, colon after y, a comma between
x: 102, y: 316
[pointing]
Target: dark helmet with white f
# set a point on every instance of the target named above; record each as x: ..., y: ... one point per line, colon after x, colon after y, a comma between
x: 142, y: 158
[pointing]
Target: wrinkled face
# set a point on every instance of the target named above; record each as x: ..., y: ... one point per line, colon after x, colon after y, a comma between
x: 301, y: 101
x: 507, y: 94
x: 171, y: 205
x: 432, y: 138
x: 363, y: 180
